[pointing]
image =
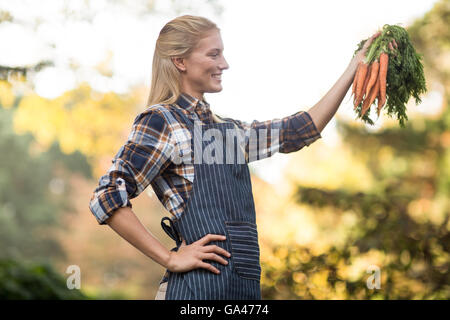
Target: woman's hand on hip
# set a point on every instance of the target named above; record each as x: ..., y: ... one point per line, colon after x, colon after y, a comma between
x: 189, y: 257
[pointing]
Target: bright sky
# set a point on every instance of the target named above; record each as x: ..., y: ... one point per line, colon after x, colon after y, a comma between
x: 283, y: 55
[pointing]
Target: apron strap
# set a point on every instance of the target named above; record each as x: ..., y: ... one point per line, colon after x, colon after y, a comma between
x: 171, y: 230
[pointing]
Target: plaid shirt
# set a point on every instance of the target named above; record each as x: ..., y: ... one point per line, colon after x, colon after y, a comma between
x: 157, y: 132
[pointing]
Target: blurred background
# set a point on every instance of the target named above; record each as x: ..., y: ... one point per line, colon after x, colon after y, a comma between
x: 74, y: 74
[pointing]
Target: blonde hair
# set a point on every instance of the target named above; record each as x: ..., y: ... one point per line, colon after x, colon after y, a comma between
x: 176, y: 39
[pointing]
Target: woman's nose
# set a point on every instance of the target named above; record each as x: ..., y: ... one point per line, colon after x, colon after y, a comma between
x: 224, y: 64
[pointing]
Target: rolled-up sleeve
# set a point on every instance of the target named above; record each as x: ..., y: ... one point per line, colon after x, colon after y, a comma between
x: 142, y: 158
x: 265, y: 138
x: 298, y: 130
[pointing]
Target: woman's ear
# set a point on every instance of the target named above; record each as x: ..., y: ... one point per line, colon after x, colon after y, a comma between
x: 179, y: 63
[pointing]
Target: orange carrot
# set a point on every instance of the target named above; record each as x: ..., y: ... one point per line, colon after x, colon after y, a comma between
x: 379, y: 102
x: 371, y: 98
x: 373, y: 76
x: 384, y: 61
x: 360, y: 82
x: 379, y: 96
x: 354, y: 82
x: 366, y: 81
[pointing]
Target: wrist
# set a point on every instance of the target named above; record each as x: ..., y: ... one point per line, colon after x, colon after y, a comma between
x: 168, y: 260
x: 353, y: 65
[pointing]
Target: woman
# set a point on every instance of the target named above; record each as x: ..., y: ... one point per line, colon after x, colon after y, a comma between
x: 211, y: 204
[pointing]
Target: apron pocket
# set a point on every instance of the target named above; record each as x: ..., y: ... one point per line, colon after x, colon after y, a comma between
x: 243, y: 237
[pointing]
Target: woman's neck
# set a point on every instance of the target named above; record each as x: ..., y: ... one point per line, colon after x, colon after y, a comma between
x: 196, y: 95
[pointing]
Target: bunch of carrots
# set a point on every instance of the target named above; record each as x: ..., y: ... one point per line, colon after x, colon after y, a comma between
x: 390, y: 73
x: 370, y: 83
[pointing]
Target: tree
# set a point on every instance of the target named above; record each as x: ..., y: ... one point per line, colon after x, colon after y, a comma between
x: 33, y: 193
x: 401, y: 220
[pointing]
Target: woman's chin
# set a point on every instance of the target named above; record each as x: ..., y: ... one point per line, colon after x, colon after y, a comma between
x: 215, y: 88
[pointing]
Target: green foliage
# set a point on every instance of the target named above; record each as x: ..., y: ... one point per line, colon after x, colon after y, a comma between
x: 417, y: 245
x: 28, y: 207
x: 31, y: 281
x: 385, y: 225
x: 431, y: 36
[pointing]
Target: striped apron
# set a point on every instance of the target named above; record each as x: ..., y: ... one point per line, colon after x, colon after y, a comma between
x: 221, y: 202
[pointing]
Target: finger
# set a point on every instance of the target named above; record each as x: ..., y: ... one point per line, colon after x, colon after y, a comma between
x: 375, y: 35
x: 395, y: 43
x: 217, y: 249
x: 214, y: 257
x: 209, y: 238
x: 370, y: 40
x: 209, y: 267
x: 390, y: 46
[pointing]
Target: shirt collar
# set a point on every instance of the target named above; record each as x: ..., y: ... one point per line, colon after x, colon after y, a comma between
x: 190, y: 103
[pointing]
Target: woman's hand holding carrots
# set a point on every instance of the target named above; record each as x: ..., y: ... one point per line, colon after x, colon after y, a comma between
x: 360, y: 56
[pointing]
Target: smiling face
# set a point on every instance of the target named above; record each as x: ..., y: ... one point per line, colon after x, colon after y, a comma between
x: 202, y: 71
